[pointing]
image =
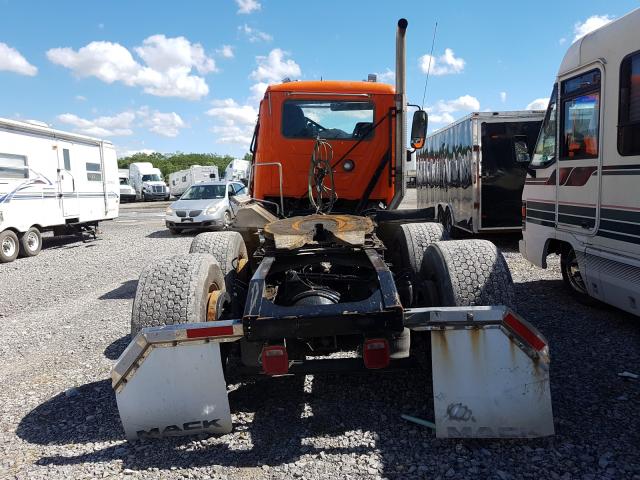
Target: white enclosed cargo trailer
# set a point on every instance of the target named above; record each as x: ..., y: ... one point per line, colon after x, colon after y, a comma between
x: 581, y: 197
x: 181, y: 180
x: 51, y: 180
x: 127, y: 193
x: 238, y: 169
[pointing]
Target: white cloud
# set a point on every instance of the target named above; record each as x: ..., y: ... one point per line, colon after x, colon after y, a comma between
x: 226, y: 51
x: 234, y: 122
x: 248, y: 6
x: 257, y: 91
x: 538, y: 104
x: 253, y: 34
x: 503, y: 97
x: 388, y: 76
x: 442, y: 111
x: 580, y: 29
x: 275, y: 67
x: 446, y: 64
x: 166, y: 124
x: 122, y: 124
x: 81, y: 98
x: 118, y: 125
x: 166, y: 72
x: 12, y: 61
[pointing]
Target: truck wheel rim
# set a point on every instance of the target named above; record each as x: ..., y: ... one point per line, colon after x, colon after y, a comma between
x: 32, y: 241
x: 574, y: 275
x: 8, y: 247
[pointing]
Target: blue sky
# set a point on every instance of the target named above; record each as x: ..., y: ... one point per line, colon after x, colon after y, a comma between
x: 186, y: 76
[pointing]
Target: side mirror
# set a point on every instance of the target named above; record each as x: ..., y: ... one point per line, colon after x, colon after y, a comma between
x: 521, y: 151
x: 419, y: 129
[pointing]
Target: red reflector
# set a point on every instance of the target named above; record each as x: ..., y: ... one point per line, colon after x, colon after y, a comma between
x: 210, y: 332
x: 523, y: 332
x: 275, y: 360
x: 375, y: 353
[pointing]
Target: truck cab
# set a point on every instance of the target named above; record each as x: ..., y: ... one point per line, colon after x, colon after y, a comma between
x: 355, y: 118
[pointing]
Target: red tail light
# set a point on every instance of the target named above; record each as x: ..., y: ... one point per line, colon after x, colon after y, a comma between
x: 376, y: 353
x: 275, y: 360
x: 525, y: 332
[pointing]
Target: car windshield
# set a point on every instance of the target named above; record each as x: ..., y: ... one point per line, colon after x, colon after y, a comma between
x: 204, y: 192
x: 124, y: 181
x: 154, y: 177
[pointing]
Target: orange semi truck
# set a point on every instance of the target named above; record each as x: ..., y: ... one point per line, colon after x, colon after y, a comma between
x: 321, y: 261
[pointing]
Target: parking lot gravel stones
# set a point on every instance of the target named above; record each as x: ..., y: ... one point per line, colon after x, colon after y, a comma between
x: 65, y: 318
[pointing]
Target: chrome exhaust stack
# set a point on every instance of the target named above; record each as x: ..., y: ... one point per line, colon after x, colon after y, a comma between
x: 401, y: 113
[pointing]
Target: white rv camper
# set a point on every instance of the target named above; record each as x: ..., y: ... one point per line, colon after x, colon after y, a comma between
x: 181, y: 180
x: 581, y: 198
x: 51, y: 180
x: 127, y: 192
x: 147, y: 181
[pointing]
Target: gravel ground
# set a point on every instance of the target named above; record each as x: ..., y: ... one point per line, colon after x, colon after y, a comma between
x: 65, y: 317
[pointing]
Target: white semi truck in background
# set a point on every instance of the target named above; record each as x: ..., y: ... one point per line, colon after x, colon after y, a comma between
x: 148, y: 182
x: 181, y: 180
x: 127, y: 192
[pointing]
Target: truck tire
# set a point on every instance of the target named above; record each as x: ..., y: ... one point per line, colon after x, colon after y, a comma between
x: 468, y: 273
x: 175, y: 290
x: 411, y: 241
x: 228, y: 249
x: 30, y: 243
x: 573, y: 279
x: 8, y: 246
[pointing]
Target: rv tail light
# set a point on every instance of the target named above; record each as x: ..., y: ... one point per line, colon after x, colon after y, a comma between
x: 275, y: 360
x: 524, y: 210
x: 222, y: 331
x: 525, y: 332
x: 376, y: 353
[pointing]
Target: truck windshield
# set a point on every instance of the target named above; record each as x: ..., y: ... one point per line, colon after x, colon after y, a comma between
x: 204, y: 192
x: 154, y: 177
x: 329, y: 119
x: 124, y: 181
x: 545, y: 151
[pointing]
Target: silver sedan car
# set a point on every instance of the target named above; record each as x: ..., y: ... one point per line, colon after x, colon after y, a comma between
x: 204, y: 205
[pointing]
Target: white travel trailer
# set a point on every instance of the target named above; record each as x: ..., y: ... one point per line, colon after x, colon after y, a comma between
x: 147, y: 181
x: 181, y: 180
x: 127, y: 193
x: 51, y: 181
x: 581, y: 198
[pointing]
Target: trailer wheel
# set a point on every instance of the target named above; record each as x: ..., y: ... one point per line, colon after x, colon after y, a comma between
x: 8, y: 246
x: 573, y: 278
x: 468, y: 273
x: 412, y: 241
x: 30, y: 243
x: 175, y: 290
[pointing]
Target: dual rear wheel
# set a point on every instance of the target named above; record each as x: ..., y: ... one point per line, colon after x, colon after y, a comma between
x: 12, y: 245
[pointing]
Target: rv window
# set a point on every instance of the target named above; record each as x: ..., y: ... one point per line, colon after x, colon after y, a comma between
x: 629, y: 109
x: 13, y: 166
x: 67, y: 159
x: 93, y: 172
x: 545, y: 152
x: 580, y: 117
x: 184, y: 179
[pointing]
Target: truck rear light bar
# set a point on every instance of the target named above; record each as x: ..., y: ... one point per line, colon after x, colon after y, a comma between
x: 525, y: 331
x: 275, y: 360
x: 375, y: 353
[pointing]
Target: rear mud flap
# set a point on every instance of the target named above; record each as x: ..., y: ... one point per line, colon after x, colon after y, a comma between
x: 486, y: 386
x: 175, y: 390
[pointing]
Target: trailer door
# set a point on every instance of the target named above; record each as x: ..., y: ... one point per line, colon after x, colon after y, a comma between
x: 506, y: 149
x: 578, y: 169
x: 67, y: 184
